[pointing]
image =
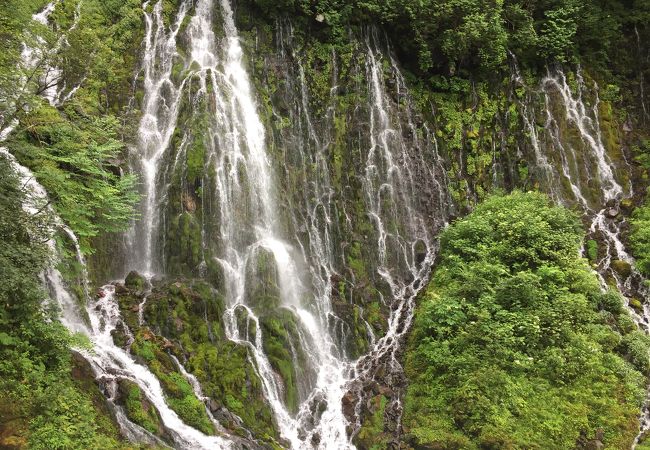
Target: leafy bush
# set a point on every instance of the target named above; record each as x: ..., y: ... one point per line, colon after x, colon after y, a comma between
x: 514, y: 345
x: 640, y: 237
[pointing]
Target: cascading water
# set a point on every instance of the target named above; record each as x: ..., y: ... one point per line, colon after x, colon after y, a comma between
x: 52, y: 84
x: 243, y: 189
x: 246, y: 228
x: 243, y: 174
x: 159, y: 115
x: 314, y: 213
x: 109, y: 362
x: 578, y: 115
x: 399, y: 177
x: 392, y: 199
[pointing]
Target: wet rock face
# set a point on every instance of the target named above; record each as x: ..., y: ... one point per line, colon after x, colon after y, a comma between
x: 622, y: 268
x: 336, y: 104
x: 139, y: 410
x: 134, y: 282
x: 183, y: 319
x: 595, y: 443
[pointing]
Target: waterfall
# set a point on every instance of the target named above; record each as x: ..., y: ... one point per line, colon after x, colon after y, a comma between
x: 244, y: 176
x: 403, y: 192
x: 241, y: 194
x: 97, y: 318
x: 244, y: 227
x: 528, y: 116
x: 51, y: 74
x: 588, y: 126
x: 159, y: 115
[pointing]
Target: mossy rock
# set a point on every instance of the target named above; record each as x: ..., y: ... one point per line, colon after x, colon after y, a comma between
x: 622, y: 268
x: 357, y: 342
x: 129, y: 304
x: 372, y: 434
x: 185, y: 317
x: 627, y: 205
x: 178, y: 391
x: 283, y: 348
x: 185, y: 245
x: 227, y: 376
x: 636, y: 304
x: 138, y: 408
x: 84, y: 378
x: 119, y: 335
x: 135, y: 282
x: 262, y: 281
x: 180, y: 307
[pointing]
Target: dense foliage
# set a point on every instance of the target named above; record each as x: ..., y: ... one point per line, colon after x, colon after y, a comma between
x: 466, y: 35
x: 640, y: 237
x: 41, y: 406
x: 71, y: 154
x: 515, y: 345
x: 73, y: 148
x: 49, y: 400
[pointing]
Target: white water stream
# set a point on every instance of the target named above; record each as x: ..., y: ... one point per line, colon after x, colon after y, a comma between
x: 251, y: 226
x: 236, y: 149
x: 110, y: 362
x: 396, y: 174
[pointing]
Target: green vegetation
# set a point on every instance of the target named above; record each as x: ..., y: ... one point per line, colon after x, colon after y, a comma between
x: 514, y: 345
x: 372, y: 434
x: 135, y: 409
x: 41, y: 406
x: 640, y: 237
x: 452, y: 36
x: 178, y: 391
x: 74, y: 150
x: 49, y: 401
x: 71, y: 153
x: 185, y: 320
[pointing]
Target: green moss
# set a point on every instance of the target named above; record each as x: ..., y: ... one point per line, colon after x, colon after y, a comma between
x: 622, y: 268
x: 185, y: 249
x: 187, y: 406
x: 178, y: 70
x: 592, y: 250
x: 280, y: 336
x: 189, y: 314
x: 143, y: 349
x: 147, y: 418
x: 195, y: 160
x: 135, y: 282
x: 636, y: 304
x: 227, y: 376
x: 177, y: 389
x: 355, y: 261
x: 371, y: 435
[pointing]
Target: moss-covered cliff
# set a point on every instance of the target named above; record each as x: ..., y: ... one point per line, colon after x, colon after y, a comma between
x: 382, y: 124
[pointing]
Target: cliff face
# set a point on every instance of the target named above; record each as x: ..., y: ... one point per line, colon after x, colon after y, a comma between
x: 293, y: 191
